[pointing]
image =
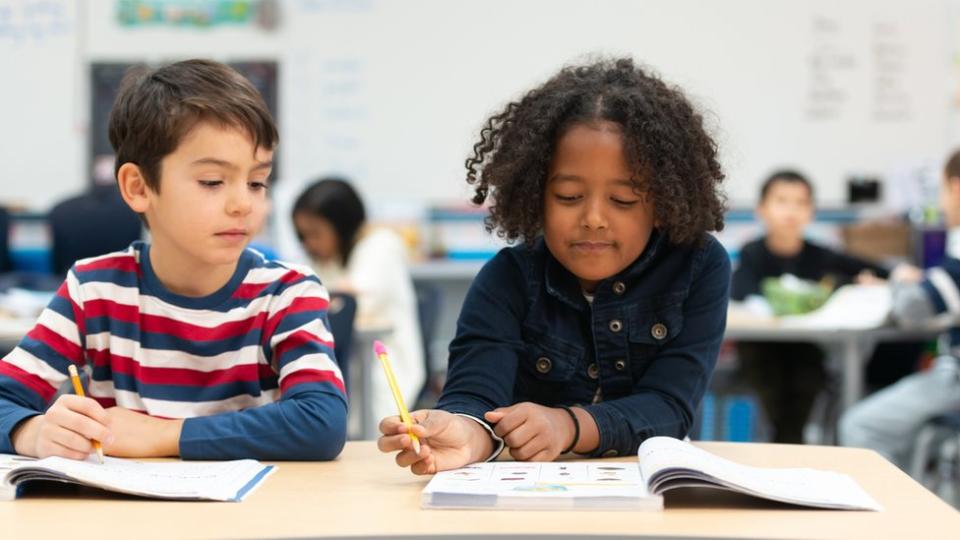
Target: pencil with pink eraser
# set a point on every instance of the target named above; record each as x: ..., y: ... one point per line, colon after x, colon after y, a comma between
x: 381, y: 352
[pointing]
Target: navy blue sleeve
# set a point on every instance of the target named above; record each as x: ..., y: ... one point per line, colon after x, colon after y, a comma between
x: 309, y: 425
x: 666, y: 397
x: 489, y: 344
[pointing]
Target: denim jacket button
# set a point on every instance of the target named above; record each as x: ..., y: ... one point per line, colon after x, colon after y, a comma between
x: 611, y: 453
x: 616, y: 325
x: 544, y: 364
x: 593, y: 371
x: 620, y: 365
x: 619, y: 288
x: 659, y: 331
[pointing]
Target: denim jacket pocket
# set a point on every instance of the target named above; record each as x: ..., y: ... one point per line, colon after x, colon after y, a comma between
x: 649, y: 332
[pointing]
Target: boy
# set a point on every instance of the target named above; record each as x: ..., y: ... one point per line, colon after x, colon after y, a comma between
x: 199, y: 347
x: 889, y: 420
x: 787, y: 376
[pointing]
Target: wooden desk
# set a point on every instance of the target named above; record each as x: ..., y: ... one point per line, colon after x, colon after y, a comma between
x: 364, y: 494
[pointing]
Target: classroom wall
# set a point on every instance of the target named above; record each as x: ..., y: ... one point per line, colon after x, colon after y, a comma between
x: 393, y: 93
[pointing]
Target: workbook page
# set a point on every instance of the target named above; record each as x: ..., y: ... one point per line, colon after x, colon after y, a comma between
x: 225, y: 480
x: 554, y: 480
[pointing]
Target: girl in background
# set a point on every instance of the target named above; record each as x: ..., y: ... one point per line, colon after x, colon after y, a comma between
x: 369, y: 263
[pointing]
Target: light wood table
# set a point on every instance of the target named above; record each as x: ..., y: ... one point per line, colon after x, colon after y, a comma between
x: 364, y: 494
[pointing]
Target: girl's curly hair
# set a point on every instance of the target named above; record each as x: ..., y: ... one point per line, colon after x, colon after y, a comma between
x: 665, y: 143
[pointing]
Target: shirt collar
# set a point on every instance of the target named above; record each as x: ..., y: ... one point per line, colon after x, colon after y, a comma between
x: 562, y: 284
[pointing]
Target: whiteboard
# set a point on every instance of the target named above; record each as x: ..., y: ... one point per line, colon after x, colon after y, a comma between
x: 41, y: 145
x: 393, y: 93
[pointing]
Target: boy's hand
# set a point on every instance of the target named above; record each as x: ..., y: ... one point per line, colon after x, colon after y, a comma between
x: 533, y: 432
x: 447, y: 441
x: 140, y: 435
x: 867, y: 277
x: 906, y: 273
x: 65, y: 430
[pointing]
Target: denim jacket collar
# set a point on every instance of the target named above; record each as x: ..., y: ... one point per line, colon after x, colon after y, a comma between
x: 562, y: 284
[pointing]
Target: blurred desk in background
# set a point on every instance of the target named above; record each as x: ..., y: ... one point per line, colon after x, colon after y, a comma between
x: 852, y: 347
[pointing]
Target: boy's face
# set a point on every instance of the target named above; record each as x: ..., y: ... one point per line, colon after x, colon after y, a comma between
x: 786, y: 210
x: 212, y: 198
x: 595, y: 222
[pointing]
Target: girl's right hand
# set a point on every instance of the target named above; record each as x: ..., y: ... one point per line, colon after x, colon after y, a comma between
x: 447, y: 441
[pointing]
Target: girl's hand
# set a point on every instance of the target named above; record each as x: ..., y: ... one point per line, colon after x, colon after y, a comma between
x: 533, y: 432
x: 447, y: 441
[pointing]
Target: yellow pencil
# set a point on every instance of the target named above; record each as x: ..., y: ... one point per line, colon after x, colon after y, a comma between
x: 381, y: 352
x: 78, y: 389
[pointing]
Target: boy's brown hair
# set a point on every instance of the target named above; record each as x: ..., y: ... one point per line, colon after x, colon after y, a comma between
x: 952, y: 167
x: 156, y: 108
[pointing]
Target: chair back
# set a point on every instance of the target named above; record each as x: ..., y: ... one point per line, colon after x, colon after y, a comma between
x: 5, y: 263
x: 341, y: 314
x: 91, y: 224
x: 429, y: 305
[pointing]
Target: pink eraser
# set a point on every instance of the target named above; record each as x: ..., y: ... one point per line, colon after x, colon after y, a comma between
x: 378, y: 348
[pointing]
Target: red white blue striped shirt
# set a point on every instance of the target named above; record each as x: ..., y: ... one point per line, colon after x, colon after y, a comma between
x: 250, y: 367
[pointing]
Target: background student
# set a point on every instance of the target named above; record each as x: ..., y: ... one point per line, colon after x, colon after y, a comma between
x: 199, y: 347
x: 888, y: 420
x: 370, y: 263
x: 602, y: 327
x: 788, y: 376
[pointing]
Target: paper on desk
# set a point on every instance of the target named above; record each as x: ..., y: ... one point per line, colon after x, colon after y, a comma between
x: 220, y: 481
x: 851, y: 307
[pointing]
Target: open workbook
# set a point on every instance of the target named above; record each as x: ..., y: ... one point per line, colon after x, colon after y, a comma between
x: 200, y: 481
x: 664, y: 463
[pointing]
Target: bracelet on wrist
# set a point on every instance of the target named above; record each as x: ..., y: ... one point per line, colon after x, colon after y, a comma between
x: 576, y: 429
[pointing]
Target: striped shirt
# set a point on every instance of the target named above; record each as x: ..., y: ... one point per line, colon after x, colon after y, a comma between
x: 250, y: 367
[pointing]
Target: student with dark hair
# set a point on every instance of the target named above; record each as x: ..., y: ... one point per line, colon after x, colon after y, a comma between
x: 788, y: 376
x: 371, y: 263
x: 197, y: 346
x: 601, y: 327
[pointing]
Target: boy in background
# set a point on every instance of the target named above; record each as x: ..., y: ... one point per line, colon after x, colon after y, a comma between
x: 198, y: 346
x: 788, y: 376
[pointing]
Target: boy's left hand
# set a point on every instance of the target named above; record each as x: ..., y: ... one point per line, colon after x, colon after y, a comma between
x: 140, y: 435
x: 533, y: 432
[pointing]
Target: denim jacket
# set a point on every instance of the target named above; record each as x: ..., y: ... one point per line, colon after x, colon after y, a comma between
x: 638, y: 358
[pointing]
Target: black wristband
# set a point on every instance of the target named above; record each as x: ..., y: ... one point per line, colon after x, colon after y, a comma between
x: 576, y: 429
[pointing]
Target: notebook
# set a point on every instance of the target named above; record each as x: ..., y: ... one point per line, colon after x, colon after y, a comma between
x: 664, y: 463
x: 191, y: 481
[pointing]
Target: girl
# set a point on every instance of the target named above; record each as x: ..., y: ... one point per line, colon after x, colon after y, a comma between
x: 602, y: 327
x: 370, y: 263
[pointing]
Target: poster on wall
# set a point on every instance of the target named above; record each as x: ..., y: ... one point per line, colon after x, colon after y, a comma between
x: 197, y: 13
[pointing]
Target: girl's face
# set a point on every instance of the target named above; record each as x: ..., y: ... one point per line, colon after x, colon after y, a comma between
x: 317, y: 235
x: 595, y: 221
